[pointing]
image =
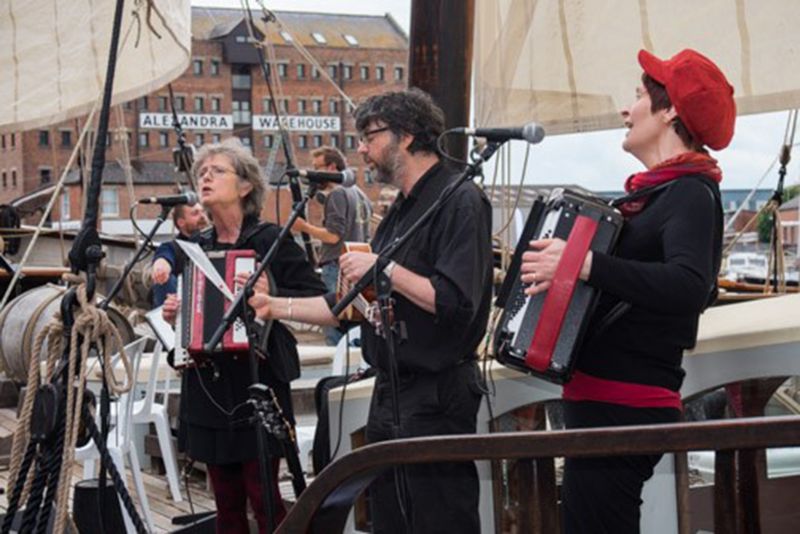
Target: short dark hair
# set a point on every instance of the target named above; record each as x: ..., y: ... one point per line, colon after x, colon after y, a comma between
x: 177, y: 213
x: 330, y: 155
x: 659, y: 99
x: 411, y: 112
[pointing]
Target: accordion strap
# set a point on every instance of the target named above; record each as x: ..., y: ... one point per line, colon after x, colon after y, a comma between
x: 559, y: 295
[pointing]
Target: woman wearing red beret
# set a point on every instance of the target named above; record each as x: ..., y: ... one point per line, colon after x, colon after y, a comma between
x: 664, y: 270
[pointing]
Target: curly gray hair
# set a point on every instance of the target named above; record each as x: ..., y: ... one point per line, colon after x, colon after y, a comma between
x: 246, y: 166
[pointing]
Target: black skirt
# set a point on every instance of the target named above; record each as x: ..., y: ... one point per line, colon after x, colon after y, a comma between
x: 215, y: 421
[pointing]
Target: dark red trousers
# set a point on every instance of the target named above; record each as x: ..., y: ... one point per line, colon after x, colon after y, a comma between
x: 234, y: 485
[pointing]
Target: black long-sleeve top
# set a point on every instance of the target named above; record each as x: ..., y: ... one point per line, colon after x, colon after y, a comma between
x: 665, y: 265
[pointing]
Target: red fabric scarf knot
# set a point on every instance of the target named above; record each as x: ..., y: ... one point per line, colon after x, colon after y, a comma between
x: 668, y: 170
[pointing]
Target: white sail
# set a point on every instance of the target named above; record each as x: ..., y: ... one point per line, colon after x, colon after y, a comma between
x: 571, y: 64
x: 54, y: 55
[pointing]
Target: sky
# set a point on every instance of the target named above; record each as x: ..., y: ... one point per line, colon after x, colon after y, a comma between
x: 595, y: 160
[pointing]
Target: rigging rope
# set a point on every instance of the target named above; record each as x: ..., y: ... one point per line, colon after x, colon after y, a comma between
x: 122, y: 138
x: 775, y: 259
x: 306, y: 54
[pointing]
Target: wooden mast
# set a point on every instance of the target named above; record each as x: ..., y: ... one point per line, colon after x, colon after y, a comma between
x: 440, y: 59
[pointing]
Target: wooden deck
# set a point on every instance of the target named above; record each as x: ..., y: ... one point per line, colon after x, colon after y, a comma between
x: 162, y: 507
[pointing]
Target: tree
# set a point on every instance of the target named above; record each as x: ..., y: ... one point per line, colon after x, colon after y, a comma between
x: 764, y: 222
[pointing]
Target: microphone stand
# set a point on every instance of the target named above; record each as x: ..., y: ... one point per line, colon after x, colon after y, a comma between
x: 136, y: 258
x: 105, y: 399
x: 262, y: 398
x: 383, y: 286
x: 286, y: 145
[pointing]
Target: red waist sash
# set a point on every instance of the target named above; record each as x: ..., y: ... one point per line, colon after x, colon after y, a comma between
x: 585, y: 387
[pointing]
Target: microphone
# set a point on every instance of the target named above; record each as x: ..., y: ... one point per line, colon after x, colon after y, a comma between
x: 531, y: 132
x: 345, y: 178
x: 190, y: 198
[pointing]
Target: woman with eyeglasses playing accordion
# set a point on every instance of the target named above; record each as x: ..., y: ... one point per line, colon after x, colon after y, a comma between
x: 213, y: 425
x: 665, y: 269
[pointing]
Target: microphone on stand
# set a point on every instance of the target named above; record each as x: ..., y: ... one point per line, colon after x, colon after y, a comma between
x: 190, y: 198
x: 532, y: 133
x: 345, y: 178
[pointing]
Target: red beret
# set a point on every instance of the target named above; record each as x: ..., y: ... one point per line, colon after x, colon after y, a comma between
x: 701, y: 94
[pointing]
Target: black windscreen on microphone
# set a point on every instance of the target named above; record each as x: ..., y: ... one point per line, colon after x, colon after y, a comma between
x: 190, y: 198
x: 345, y: 178
x: 532, y: 133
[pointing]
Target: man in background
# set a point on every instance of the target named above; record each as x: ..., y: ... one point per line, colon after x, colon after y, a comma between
x: 187, y: 220
x: 347, y: 212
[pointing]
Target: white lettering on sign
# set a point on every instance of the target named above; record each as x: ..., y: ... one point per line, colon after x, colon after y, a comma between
x: 192, y: 121
x: 295, y: 123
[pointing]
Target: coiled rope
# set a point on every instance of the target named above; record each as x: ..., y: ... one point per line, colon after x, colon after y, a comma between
x: 92, y: 328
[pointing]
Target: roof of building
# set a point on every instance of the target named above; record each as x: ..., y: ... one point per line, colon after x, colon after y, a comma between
x: 369, y: 31
x: 155, y: 173
x: 33, y: 200
x: 151, y: 172
x: 793, y: 204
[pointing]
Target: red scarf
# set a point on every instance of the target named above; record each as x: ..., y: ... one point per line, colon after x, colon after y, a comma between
x: 681, y: 165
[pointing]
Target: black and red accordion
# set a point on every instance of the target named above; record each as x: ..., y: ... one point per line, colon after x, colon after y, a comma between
x: 203, y: 305
x: 542, y: 335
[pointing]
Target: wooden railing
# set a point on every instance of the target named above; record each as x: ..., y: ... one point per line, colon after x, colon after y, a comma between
x: 325, y: 504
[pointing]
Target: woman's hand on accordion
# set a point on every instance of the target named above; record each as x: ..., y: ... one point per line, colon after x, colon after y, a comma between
x: 169, y: 311
x: 539, y: 264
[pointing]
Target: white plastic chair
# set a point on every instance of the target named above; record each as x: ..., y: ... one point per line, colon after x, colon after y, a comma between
x: 119, y: 441
x: 146, y: 411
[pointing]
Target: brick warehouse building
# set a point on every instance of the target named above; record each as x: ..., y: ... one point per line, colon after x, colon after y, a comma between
x: 222, y: 93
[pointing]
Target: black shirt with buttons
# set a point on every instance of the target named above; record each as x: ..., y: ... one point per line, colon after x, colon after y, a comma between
x: 454, y: 251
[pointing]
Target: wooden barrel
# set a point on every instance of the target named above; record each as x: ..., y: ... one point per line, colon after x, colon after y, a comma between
x: 24, y: 317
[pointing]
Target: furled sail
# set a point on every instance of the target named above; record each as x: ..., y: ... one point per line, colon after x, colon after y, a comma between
x: 53, y: 55
x: 571, y: 64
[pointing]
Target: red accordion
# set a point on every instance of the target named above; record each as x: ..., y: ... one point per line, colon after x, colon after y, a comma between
x: 542, y: 334
x: 203, y: 305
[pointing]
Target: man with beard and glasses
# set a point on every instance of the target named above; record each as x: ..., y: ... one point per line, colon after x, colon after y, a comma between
x: 441, y: 281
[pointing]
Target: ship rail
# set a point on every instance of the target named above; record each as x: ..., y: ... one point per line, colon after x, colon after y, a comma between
x: 326, y: 503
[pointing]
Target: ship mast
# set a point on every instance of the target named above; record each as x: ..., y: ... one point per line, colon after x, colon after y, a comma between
x: 440, y: 59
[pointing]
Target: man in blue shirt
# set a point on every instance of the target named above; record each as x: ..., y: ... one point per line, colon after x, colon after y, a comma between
x: 188, y: 220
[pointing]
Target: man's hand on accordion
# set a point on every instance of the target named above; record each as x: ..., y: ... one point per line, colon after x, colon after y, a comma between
x: 161, y: 271
x: 261, y: 286
x: 169, y: 310
x: 260, y: 302
x: 260, y: 293
x: 540, y: 263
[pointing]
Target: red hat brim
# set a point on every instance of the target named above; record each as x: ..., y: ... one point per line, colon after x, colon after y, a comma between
x: 653, y: 66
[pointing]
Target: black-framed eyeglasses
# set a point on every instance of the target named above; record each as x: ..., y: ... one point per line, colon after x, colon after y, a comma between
x: 364, y: 138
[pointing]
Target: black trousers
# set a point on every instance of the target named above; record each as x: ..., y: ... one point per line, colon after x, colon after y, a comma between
x: 442, y: 497
x: 603, y: 495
